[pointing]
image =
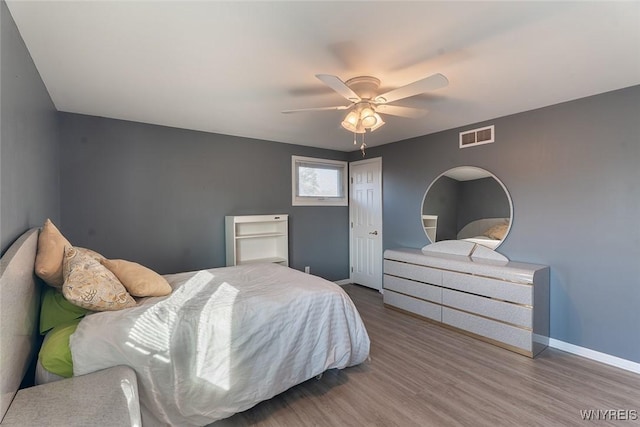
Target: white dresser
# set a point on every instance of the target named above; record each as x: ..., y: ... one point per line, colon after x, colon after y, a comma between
x: 474, y: 290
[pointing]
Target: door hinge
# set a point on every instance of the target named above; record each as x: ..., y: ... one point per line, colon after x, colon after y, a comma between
x: 351, y: 224
x: 352, y: 269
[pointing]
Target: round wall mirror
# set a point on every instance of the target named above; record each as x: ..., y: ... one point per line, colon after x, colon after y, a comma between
x: 467, y: 203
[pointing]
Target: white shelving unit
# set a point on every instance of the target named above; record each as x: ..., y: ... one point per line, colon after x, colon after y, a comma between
x: 257, y: 238
x: 430, y: 224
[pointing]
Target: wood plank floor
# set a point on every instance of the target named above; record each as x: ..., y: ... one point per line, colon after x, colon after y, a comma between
x: 422, y: 374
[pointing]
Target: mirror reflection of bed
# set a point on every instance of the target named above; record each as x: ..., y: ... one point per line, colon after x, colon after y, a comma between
x: 487, y: 232
x: 467, y: 203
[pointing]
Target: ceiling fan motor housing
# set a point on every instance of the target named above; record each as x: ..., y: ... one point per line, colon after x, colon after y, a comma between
x: 365, y: 86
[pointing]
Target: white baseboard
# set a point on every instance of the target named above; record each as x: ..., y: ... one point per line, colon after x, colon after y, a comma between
x: 595, y: 355
x: 342, y: 282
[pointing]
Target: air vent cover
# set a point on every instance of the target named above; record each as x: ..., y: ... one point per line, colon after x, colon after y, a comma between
x: 478, y: 136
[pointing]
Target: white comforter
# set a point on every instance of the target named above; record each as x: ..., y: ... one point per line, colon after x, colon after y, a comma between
x: 224, y: 340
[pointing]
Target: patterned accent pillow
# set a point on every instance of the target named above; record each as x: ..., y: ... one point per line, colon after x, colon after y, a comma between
x: 93, y: 254
x: 51, y: 244
x: 89, y: 284
x: 139, y: 280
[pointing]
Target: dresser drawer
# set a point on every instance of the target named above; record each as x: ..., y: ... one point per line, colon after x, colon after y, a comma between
x: 494, y: 288
x: 507, y: 334
x: 519, y: 315
x: 414, y: 289
x: 413, y: 305
x: 413, y: 272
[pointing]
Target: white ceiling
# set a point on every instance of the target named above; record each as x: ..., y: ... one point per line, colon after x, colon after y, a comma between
x: 232, y: 67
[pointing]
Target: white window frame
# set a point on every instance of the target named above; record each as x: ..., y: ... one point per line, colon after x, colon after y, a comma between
x: 297, y: 200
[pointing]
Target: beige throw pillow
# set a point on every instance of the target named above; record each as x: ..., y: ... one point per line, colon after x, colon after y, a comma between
x: 89, y: 284
x: 49, y: 255
x: 139, y: 280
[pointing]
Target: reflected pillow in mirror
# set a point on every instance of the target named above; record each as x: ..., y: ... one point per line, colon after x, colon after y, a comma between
x: 497, y: 232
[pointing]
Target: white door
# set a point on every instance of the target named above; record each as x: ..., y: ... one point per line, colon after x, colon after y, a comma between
x: 365, y: 216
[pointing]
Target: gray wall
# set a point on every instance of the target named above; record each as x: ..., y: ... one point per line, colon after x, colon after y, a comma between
x: 442, y: 201
x: 481, y: 198
x: 573, y: 173
x: 29, y: 149
x: 158, y: 195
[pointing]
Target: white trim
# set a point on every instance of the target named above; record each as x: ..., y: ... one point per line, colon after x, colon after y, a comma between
x: 595, y: 355
x: 341, y: 165
x: 343, y: 282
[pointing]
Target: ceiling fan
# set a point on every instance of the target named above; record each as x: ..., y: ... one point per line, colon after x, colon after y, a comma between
x: 367, y: 105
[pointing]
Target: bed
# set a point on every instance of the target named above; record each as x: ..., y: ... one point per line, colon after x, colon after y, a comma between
x: 223, y: 340
x: 487, y: 232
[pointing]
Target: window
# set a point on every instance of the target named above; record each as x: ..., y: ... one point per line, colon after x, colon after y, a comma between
x: 317, y: 182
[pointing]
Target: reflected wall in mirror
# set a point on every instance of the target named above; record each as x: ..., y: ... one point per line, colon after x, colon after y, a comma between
x: 467, y: 203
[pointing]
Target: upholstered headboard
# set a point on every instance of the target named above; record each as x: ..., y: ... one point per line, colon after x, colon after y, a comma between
x: 19, y: 303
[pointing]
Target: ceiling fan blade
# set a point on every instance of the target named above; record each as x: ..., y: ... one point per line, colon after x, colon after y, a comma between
x: 339, y: 86
x: 427, y: 84
x: 395, y: 110
x: 303, y: 110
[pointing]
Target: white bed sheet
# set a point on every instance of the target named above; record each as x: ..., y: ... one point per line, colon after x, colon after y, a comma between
x: 224, y: 340
x: 484, y: 241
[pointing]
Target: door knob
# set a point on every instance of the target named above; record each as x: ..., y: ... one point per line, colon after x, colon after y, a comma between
x: 375, y: 233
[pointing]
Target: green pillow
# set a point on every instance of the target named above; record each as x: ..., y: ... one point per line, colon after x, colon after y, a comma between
x: 56, y: 310
x: 55, y: 354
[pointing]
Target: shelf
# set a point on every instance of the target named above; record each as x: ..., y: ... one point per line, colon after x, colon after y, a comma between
x: 278, y: 260
x: 259, y: 235
x: 257, y: 238
x: 430, y: 224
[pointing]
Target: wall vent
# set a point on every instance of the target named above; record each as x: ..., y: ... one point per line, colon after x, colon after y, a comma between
x: 478, y: 136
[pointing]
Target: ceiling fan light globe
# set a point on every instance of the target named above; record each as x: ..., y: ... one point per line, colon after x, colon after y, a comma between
x: 352, y: 118
x: 369, y: 121
x: 348, y: 126
x: 367, y: 115
x: 379, y: 122
x: 353, y: 129
x: 350, y: 121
